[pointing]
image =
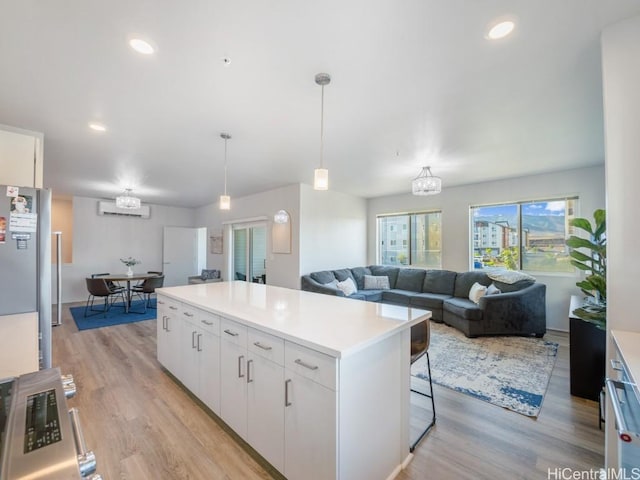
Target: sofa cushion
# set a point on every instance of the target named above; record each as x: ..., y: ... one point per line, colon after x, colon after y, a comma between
x: 428, y: 300
x: 410, y: 279
x: 323, y: 277
x: 439, y: 281
x: 376, y: 282
x: 207, y: 274
x: 370, y: 295
x: 400, y: 297
x: 465, y: 280
x: 513, y: 287
x: 463, y: 308
x: 391, y: 272
x: 358, y: 275
x: 509, y: 276
x: 343, y: 274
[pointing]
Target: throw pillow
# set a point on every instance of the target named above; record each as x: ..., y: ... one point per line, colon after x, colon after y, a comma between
x: 209, y: 274
x: 376, y: 282
x: 492, y: 289
x: 476, y: 292
x: 348, y: 287
x: 509, y: 276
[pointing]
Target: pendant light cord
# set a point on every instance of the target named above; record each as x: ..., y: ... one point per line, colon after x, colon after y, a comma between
x: 225, y: 166
x: 322, y: 128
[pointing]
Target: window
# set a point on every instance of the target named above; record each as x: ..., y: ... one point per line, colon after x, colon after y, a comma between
x: 523, y: 236
x: 410, y: 239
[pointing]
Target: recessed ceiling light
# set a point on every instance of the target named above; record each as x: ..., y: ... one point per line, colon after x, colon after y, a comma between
x: 98, y: 127
x: 141, y: 46
x: 501, y: 30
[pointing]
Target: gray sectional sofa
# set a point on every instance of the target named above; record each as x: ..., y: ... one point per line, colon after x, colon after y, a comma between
x: 518, y: 310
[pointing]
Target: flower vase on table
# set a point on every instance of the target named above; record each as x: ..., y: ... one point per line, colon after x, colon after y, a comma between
x: 130, y: 262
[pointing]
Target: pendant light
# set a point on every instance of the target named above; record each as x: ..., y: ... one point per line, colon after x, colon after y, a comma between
x: 321, y: 175
x: 126, y: 200
x: 426, y: 183
x: 225, y: 200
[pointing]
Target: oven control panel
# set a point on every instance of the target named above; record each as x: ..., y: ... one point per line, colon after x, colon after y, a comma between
x: 42, y: 422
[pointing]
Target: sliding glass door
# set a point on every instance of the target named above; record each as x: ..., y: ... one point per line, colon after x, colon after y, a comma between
x: 250, y: 252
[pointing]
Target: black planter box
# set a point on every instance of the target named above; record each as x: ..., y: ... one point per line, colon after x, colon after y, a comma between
x: 587, y: 356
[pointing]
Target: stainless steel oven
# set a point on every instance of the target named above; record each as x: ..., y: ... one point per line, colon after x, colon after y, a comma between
x: 625, y: 399
x: 39, y: 436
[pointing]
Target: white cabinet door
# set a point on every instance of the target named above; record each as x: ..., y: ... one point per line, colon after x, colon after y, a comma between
x: 265, y: 412
x: 190, y: 358
x: 208, y: 347
x: 168, y: 336
x: 20, y: 157
x: 310, y: 429
x: 233, y: 376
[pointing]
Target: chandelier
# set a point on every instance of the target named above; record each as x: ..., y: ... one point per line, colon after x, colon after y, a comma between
x: 426, y: 183
x: 127, y: 201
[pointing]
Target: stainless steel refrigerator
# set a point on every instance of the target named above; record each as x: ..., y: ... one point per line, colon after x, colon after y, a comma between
x: 25, y: 259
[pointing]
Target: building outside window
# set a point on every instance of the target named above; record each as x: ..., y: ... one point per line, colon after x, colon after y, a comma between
x: 523, y: 236
x: 412, y: 239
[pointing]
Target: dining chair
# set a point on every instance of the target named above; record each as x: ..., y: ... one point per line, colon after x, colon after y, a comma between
x: 98, y: 287
x: 146, y: 289
x: 420, y: 338
x: 111, y: 283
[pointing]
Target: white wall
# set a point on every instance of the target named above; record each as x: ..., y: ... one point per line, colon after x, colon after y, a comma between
x: 100, y: 241
x: 587, y: 183
x: 282, y: 268
x: 333, y: 231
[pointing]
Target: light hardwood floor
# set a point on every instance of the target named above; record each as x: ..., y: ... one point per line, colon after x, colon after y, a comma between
x: 142, y: 425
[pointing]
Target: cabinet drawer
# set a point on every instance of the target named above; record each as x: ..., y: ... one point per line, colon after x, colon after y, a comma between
x: 309, y: 363
x: 233, y: 332
x: 169, y: 304
x: 209, y: 322
x: 266, y: 345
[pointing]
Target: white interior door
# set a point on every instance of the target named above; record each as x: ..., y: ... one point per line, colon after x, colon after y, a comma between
x: 182, y: 254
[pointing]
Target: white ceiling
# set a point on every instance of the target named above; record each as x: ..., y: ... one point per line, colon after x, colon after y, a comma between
x: 414, y: 83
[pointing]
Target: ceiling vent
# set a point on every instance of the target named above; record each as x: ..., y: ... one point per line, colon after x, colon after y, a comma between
x: 109, y: 208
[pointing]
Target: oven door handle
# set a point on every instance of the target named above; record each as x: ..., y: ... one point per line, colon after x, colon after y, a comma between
x: 86, y: 458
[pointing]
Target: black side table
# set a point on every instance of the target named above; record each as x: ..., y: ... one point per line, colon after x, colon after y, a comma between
x: 587, y: 345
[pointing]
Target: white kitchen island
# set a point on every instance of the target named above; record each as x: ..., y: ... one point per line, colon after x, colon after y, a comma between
x: 318, y: 385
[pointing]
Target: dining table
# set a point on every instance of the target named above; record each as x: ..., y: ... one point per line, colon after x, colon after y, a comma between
x: 123, y: 277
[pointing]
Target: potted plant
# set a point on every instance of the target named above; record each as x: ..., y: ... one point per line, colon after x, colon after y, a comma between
x: 588, y: 322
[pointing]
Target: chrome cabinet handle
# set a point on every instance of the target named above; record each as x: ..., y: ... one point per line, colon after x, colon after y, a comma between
x: 187, y: 314
x: 287, y: 403
x: 164, y: 322
x: 263, y: 347
x: 168, y: 329
x: 240, y: 374
x: 300, y: 362
x: 86, y: 458
x: 193, y: 339
x: 160, y: 302
x: 207, y: 322
x: 173, y: 307
x: 229, y: 332
x: 199, y: 348
x: 249, y: 362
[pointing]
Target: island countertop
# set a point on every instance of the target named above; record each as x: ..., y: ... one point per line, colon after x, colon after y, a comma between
x: 336, y: 326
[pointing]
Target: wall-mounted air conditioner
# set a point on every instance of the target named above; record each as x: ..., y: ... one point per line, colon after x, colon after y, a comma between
x: 109, y: 208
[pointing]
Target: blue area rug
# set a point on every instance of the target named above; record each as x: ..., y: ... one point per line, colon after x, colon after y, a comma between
x: 511, y: 372
x: 115, y: 315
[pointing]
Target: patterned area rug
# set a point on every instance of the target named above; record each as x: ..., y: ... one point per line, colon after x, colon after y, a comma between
x: 511, y: 372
